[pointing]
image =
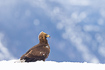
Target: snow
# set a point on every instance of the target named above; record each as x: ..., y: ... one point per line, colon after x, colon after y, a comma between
x: 49, y: 65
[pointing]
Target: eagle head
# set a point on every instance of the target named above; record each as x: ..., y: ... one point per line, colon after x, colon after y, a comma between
x: 43, y: 35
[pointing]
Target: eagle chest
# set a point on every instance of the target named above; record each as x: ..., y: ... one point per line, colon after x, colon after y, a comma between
x: 46, y: 49
x: 41, y: 51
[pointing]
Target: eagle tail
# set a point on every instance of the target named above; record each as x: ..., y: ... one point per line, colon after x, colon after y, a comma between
x: 34, y: 59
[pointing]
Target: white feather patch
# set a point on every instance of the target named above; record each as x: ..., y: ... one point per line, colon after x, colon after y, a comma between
x: 47, y: 47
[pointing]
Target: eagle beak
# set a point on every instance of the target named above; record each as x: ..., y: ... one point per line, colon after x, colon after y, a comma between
x: 48, y: 36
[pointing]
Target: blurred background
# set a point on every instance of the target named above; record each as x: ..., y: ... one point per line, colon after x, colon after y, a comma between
x: 76, y: 27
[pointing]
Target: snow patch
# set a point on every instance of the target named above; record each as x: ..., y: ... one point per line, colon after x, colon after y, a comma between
x: 49, y: 65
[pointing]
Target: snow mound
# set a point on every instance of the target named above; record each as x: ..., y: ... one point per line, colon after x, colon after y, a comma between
x: 49, y: 65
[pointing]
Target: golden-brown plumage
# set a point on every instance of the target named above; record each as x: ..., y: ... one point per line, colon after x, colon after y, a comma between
x: 39, y: 51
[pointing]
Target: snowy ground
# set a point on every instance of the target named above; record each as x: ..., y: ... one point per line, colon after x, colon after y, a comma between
x: 49, y: 65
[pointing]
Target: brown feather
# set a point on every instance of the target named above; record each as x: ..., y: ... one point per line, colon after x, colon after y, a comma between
x: 39, y: 51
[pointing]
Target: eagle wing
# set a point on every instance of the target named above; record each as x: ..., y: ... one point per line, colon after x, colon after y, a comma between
x: 40, y: 52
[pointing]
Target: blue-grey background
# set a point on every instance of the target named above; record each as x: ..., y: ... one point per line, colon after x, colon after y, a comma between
x: 76, y: 27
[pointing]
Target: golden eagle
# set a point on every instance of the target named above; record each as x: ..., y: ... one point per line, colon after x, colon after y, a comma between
x: 39, y: 51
